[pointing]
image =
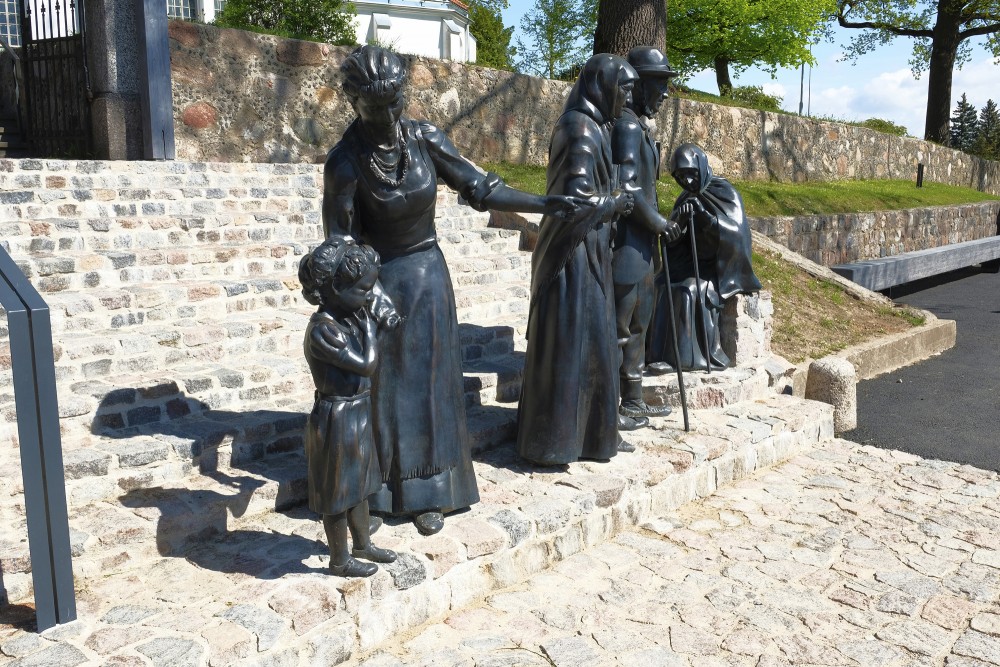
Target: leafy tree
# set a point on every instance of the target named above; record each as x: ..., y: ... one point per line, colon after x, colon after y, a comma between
x: 493, y: 47
x: 553, y: 28
x: 330, y: 21
x: 620, y: 25
x: 743, y: 33
x: 987, y: 143
x: 963, y: 126
x: 941, y: 30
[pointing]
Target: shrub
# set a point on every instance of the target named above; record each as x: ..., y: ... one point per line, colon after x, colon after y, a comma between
x: 329, y: 21
x: 887, y: 126
x: 754, y: 97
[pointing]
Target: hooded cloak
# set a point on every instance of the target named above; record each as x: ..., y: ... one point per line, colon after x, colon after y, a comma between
x: 722, y: 237
x: 569, y: 399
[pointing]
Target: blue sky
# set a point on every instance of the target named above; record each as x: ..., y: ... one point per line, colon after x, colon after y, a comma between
x: 879, y: 84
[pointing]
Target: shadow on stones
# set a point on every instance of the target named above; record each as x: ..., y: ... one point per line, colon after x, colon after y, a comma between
x: 18, y: 616
x: 194, y: 522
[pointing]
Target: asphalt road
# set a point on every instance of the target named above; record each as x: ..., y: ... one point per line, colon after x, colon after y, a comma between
x: 947, y: 407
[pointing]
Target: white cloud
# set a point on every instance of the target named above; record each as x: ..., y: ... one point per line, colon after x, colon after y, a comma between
x: 979, y: 80
x: 894, y: 96
x: 775, y: 89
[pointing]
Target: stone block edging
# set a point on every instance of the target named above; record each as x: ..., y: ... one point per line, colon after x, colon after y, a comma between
x: 380, y: 619
x: 894, y: 351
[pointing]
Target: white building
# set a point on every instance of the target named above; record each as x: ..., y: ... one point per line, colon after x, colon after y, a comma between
x: 433, y: 28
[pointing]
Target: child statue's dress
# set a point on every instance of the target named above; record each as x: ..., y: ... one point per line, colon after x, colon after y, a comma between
x: 340, y: 450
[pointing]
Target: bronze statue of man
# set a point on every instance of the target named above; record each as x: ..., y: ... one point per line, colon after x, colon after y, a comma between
x: 637, y: 156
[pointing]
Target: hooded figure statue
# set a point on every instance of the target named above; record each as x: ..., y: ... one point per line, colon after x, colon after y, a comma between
x: 569, y: 396
x: 714, y: 209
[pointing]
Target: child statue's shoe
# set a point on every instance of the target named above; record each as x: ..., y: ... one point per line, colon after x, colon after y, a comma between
x: 375, y: 554
x: 354, y: 568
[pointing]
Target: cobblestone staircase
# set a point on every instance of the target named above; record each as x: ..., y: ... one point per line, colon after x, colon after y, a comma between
x: 177, y: 329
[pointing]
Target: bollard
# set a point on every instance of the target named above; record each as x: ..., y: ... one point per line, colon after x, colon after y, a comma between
x: 920, y: 175
x: 833, y: 380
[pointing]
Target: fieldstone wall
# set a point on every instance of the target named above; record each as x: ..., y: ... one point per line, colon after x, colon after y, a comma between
x: 839, y: 239
x: 240, y: 96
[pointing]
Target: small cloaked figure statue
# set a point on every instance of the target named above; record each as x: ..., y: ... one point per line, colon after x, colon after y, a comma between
x: 636, y: 245
x: 341, y: 350
x: 705, y: 270
x: 380, y: 188
x: 569, y: 397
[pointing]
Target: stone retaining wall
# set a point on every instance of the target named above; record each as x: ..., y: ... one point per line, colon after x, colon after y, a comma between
x: 843, y: 238
x: 240, y: 96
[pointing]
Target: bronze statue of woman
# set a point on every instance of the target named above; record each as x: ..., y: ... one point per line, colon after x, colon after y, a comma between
x: 380, y: 187
x: 570, y: 392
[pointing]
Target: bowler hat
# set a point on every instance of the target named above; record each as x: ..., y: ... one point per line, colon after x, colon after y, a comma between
x: 649, y: 61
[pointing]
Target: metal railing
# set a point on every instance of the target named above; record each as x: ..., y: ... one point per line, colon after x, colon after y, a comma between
x: 33, y: 367
x: 18, y: 78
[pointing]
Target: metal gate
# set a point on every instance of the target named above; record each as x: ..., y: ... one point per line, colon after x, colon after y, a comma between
x: 56, y: 80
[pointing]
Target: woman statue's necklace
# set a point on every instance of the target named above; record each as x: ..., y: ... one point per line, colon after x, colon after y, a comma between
x: 385, y: 169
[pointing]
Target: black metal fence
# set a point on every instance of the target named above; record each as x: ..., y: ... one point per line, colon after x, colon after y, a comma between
x: 33, y: 366
x: 56, y: 78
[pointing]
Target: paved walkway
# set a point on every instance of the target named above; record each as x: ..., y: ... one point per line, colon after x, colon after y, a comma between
x: 845, y: 555
x: 947, y: 407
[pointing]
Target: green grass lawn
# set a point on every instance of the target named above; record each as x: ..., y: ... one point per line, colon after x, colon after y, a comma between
x: 765, y: 198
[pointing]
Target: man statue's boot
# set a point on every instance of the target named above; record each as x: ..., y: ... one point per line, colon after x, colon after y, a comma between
x: 631, y: 423
x: 633, y: 406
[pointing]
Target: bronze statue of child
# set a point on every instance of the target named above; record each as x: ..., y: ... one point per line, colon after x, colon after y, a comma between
x: 340, y: 277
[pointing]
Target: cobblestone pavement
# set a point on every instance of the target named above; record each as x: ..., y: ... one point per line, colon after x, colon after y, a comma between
x: 845, y: 555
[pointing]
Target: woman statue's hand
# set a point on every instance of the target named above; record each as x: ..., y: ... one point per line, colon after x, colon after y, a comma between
x: 672, y: 231
x: 565, y: 208
x: 624, y: 201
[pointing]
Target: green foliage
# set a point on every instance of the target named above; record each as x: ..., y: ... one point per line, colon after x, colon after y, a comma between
x: 554, y: 29
x: 330, y: 21
x: 964, y: 124
x: 987, y: 144
x: 763, y: 33
x: 493, y: 47
x: 882, y: 125
x: 754, y: 97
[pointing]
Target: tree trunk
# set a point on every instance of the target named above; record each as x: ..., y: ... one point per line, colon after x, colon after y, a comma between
x: 944, y: 51
x: 722, y: 76
x: 625, y: 24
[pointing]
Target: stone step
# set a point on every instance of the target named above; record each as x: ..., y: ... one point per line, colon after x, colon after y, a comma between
x: 84, y: 270
x: 238, y: 267
x: 118, y: 313
x: 500, y: 303
x: 162, y: 233
x: 216, y: 444
x: 495, y: 380
x: 175, y: 235
x: 478, y: 242
x: 191, y: 553
x: 182, y: 222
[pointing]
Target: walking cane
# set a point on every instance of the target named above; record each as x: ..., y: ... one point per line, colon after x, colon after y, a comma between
x: 673, y: 331
x: 701, y: 297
